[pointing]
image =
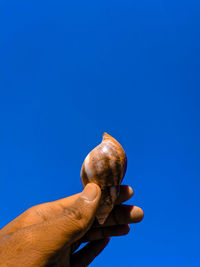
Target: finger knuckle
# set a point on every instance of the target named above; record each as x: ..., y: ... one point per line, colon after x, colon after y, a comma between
x: 73, y: 213
x: 76, y: 216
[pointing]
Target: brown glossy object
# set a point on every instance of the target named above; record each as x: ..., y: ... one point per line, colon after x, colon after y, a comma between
x: 105, y: 165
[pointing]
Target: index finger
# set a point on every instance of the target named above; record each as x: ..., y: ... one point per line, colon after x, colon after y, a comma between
x: 126, y: 192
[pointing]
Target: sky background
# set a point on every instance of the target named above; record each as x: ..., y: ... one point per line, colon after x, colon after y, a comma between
x: 70, y: 70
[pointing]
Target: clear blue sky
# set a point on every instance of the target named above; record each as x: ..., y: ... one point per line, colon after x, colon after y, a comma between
x: 70, y: 70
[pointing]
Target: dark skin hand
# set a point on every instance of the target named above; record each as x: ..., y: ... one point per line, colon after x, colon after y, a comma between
x: 49, y: 234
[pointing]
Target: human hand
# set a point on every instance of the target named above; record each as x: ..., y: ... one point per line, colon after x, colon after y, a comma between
x: 48, y: 234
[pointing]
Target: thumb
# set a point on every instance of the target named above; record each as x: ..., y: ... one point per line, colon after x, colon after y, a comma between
x: 80, y: 215
x: 71, y: 225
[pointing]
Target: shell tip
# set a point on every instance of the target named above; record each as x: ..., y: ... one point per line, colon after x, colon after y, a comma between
x: 106, y: 135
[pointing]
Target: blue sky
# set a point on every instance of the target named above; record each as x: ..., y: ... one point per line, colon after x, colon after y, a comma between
x: 69, y: 71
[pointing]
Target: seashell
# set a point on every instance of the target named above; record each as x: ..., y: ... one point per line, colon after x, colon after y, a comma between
x: 105, y: 165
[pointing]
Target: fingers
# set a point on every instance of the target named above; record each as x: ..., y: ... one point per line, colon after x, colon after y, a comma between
x: 123, y: 214
x: 126, y: 192
x: 87, y: 254
x: 105, y: 232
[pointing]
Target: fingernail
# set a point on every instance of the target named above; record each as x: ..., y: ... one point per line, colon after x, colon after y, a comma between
x: 130, y: 190
x: 137, y: 214
x: 90, y: 192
